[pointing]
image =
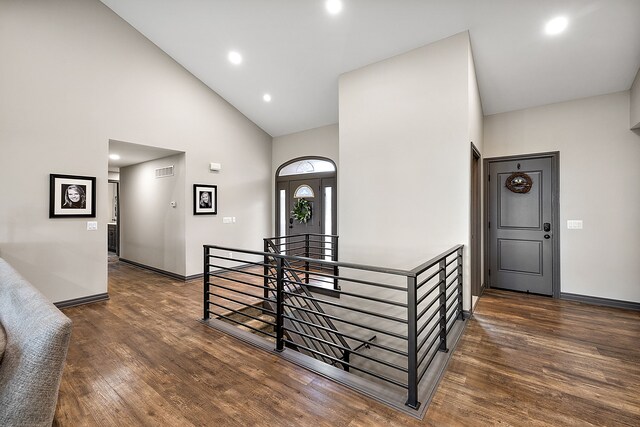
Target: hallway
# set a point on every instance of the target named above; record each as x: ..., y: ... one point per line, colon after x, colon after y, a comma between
x: 143, y: 358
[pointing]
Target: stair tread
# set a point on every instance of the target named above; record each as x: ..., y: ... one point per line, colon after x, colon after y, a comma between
x: 259, y: 324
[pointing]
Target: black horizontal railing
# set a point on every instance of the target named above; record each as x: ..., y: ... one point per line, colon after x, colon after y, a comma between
x: 308, y: 245
x: 306, y: 328
x: 409, y: 312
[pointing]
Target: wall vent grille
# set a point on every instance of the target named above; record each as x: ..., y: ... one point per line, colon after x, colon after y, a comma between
x: 164, y: 172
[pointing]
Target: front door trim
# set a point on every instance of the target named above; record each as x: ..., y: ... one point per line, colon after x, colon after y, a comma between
x: 320, y: 175
x: 555, y: 212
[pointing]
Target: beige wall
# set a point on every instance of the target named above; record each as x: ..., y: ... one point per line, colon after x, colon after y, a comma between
x: 404, y: 154
x: 151, y: 230
x: 599, y: 159
x: 321, y: 142
x: 635, y: 103
x: 476, y: 116
x: 75, y: 75
x: 476, y: 135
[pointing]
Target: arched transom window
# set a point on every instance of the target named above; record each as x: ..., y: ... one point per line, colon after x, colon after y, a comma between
x: 307, y: 166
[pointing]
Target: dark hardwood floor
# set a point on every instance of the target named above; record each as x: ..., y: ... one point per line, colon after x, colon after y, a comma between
x: 143, y: 358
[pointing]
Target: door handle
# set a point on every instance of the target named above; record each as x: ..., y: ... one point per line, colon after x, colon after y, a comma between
x: 290, y: 222
x: 547, y: 227
x: 546, y: 236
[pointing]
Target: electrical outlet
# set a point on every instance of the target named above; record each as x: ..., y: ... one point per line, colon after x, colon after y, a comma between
x: 92, y: 225
x: 574, y: 224
x: 227, y: 220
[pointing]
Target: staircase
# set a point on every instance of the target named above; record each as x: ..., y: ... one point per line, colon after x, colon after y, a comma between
x: 309, y: 331
x: 306, y: 328
x: 253, y: 319
x: 417, y: 314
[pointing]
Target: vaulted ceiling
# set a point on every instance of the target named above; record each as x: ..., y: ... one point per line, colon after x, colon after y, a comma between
x: 295, y: 50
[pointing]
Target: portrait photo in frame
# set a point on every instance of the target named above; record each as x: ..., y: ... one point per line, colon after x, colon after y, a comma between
x: 205, y: 199
x: 72, y: 196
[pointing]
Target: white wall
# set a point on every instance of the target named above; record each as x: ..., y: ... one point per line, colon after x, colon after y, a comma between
x: 599, y: 158
x: 152, y: 232
x: 404, y: 156
x: 405, y: 132
x: 75, y: 75
x: 635, y: 103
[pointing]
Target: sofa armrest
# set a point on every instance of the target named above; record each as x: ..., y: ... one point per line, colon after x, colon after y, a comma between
x: 37, y: 342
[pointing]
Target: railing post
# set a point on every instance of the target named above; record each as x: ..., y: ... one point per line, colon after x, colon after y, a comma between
x: 346, y: 357
x: 443, y: 305
x: 205, y: 291
x: 334, y: 257
x: 279, y: 305
x: 412, y: 343
x: 306, y: 254
x: 460, y: 276
x: 265, y: 271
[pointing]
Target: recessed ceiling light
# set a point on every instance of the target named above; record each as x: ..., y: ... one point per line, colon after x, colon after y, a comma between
x: 114, y: 157
x: 556, y: 25
x: 234, y: 57
x: 333, y: 6
x: 266, y: 97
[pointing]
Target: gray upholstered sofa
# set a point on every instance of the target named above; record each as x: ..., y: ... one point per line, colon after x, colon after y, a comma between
x: 37, y: 338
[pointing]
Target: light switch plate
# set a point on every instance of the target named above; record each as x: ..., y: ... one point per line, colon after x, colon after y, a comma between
x: 92, y: 225
x: 574, y: 224
x: 227, y: 220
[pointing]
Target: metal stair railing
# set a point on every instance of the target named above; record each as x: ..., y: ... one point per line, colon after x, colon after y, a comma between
x: 310, y: 328
x: 412, y: 312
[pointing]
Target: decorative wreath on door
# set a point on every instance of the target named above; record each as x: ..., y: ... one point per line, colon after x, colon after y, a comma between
x: 302, y: 211
x: 519, y: 182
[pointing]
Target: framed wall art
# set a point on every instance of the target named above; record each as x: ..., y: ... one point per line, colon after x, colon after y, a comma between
x: 72, y: 196
x: 205, y: 199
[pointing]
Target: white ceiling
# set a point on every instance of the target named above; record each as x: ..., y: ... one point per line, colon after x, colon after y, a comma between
x: 295, y: 50
x: 131, y: 154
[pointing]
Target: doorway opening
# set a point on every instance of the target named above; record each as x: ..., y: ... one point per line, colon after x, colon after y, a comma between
x: 113, y: 226
x: 147, y: 192
x: 306, y: 208
x: 476, y: 227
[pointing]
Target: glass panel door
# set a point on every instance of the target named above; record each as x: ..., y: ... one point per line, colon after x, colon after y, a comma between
x: 328, y: 222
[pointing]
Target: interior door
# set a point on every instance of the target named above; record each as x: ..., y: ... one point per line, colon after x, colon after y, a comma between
x: 520, y: 225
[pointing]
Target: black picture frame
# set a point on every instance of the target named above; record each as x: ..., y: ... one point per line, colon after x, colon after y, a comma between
x: 200, y: 194
x: 72, y: 196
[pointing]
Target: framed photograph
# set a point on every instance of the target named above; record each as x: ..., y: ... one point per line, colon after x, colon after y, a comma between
x: 72, y: 196
x: 205, y: 199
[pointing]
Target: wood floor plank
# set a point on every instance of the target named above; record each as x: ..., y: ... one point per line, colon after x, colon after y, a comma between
x: 143, y: 358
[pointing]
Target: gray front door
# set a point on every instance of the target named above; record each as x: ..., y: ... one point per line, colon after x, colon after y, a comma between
x: 520, y: 229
